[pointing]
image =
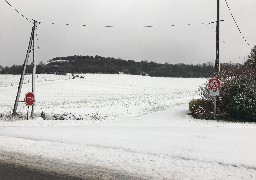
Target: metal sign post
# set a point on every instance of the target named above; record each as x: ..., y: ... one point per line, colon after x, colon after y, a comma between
x: 214, y: 85
x: 215, y: 108
x: 28, y: 113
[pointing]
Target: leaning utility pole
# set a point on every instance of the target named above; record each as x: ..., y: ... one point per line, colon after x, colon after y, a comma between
x: 217, y: 61
x: 24, y: 71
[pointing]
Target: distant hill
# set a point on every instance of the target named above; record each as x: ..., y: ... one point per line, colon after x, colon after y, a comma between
x: 110, y: 65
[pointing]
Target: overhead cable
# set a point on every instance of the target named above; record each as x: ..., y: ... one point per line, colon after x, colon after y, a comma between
x: 84, y: 25
x: 236, y: 23
x: 208, y: 24
x: 16, y: 10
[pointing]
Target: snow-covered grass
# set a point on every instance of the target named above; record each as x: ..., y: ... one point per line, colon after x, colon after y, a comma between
x: 142, y: 130
x: 97, y: 97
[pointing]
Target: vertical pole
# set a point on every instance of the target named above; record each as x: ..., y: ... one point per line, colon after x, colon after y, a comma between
x: 217, y: 61
x: 215, y: 107
x: 34, y: 65
x: 23, y: 73
x: 27, y: 113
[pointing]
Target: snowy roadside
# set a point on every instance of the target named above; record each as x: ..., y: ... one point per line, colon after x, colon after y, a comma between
x: 161, y: 145
x: 133, y: 127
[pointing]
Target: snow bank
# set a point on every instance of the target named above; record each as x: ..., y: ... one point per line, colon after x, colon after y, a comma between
x: 145, y: 133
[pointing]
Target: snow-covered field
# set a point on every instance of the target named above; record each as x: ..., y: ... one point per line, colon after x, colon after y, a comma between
x: 98, y: 97
x: 122, y: 126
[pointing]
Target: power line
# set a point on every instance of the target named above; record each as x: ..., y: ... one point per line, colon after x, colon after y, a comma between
x: 27, y: 19
x: 17, y: 11
x: 236, y: 23
x: 114, y: 26
x: 84, y: 25
x: 147, y: 26
x: 206, y: 24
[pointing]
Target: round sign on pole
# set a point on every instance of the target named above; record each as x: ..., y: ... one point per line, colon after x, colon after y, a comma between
x: 29, y: 99
x: 214, y: 84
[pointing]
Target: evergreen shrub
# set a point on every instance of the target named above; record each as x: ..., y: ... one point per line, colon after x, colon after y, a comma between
x: 201, y: 108
x: 237, y: 100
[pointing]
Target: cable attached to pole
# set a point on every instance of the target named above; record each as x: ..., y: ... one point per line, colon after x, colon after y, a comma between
x: 31, y: 20
x: 236, y: 23
x: 16, y: 10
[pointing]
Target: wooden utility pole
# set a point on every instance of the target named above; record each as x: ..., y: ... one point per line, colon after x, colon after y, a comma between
x: 34, y: 65
x: 217, y: 61
x: 24, y: 71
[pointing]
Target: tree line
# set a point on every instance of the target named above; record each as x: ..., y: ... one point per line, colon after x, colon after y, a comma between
x: 109, y: 65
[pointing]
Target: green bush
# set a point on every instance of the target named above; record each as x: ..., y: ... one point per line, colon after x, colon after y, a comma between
x: 239, y: 97
x: 201, y: 108
x: 237, y: 100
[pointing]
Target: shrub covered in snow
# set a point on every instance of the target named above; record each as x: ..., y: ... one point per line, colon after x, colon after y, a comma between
x: 251, y: 62
x: 201, y: 108
x: 65, y: 116
x: 239, y: 93
x: 237, y: 100
x: 238, y: 96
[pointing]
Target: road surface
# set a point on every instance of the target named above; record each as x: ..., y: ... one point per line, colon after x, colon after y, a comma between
x: 14, y: 172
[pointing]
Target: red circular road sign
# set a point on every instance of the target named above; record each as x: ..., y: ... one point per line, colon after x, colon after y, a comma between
x: 214, y: 84
x: 29, y: 99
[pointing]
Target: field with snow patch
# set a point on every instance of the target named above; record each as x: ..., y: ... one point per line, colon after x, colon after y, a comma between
x: 122, y: 127
x: 96, y: 97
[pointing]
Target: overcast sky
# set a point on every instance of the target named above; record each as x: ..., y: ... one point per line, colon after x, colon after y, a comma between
x: 128, y: 39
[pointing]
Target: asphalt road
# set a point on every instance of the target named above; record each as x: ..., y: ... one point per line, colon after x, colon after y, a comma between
x: 13, y: 172
x: 18, y: 166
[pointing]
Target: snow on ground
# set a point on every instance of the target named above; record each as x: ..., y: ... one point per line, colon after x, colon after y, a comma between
x: 98, y: 97
x: 156, y: 139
